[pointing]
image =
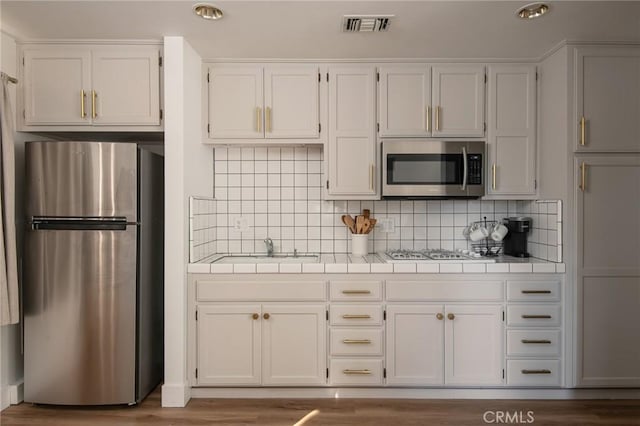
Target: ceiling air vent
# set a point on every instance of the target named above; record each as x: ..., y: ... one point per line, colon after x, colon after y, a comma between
x: 370, y: 23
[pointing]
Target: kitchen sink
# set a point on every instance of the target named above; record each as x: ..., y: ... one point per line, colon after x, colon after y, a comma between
x: 263, y: 258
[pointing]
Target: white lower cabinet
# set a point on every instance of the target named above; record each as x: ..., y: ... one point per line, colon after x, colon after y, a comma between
x: 268, y: 344
x: 452, y: 345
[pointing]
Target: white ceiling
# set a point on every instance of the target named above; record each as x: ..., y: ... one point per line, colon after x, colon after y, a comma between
x: 312, y: 29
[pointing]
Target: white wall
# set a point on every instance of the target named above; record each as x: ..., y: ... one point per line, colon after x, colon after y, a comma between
x: 187, y: 172
x: 11, y: 370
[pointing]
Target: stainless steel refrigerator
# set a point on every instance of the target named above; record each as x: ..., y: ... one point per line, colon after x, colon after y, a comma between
x: 93, y: 273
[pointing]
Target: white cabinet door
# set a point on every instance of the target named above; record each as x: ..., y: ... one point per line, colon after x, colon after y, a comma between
x: 511, y: 135
x: 228, y: 345
x: 473, y: 345
x: 608, y: 264
x: 54, y: 83
x: 610, y: 321
x: 458, y: 100
x: 294, y: 347
x: 291, y: 102
x: 352, y: 156
x: 235, y: 102
x: 608, y: 98
x: 126, y: 86
x: 415, y: 339
x: 405, y: 100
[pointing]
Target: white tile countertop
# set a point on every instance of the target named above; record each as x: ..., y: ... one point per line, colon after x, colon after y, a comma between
x: 372, y: 263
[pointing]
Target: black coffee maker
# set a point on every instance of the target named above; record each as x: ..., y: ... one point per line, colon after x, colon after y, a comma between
x: 515, y: 242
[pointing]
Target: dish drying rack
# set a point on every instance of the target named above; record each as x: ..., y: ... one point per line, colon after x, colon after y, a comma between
x: 487, y: 247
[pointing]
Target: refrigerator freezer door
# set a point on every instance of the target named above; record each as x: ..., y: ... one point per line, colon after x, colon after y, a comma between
x: 81, y: 179
x: 80, y: 316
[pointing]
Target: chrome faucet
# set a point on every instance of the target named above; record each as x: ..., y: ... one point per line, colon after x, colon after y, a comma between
x: 269, y: 243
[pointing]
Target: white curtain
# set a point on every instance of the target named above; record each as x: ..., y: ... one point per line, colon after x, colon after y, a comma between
x: 9, y: 299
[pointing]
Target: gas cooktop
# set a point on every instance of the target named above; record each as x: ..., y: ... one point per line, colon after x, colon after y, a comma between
x: 434, y: 255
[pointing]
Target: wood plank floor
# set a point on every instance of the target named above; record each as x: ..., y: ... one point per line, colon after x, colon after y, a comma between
x: 394, y: 412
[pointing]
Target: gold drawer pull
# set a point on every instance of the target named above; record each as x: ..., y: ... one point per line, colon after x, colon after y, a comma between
x: 582, y: 131
x: 361, y: 372
x: 536, y: 291
x: 536, y: 316
x: 536, y: 371
x: 357, y: 341
x: 351, y: 316
x: 356, y: 291
x: 528, y: 341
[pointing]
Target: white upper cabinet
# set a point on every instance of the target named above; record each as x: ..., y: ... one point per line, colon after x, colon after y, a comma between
x: 424, y: 101
x: 78, y: 87
x: 405, y: 101
x: 458, y: 100
x: 607, y: 99
x: 255, y: 102
x: 352, y: 146
x: 131, y: 100
x: 511, y: 134
x: 57, y: 82
x: 235, y: 102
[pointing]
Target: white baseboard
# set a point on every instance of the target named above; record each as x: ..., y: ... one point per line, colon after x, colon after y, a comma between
x: 175, y: 395
x: 16, y: 393
x: 415, y: 393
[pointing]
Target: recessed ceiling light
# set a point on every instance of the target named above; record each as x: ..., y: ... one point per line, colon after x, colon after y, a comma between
x: 207, y: 11
x: 532, y: 10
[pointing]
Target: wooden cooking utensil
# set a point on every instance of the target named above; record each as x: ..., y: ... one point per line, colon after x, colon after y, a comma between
x: 351, y: 224
x: 366, y: 213
x: 372, y: 223
x: 359, y: 224
x: 366, y: 226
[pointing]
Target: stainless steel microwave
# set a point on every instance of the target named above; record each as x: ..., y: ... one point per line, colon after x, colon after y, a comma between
x: 424, y: 168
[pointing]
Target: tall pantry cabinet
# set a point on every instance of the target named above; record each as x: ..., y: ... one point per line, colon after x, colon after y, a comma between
x: 606, y: 161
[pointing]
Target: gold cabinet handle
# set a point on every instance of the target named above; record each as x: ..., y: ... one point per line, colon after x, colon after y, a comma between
x: 536, y: 316
x: 94, y: 95
x: 583, y: 179
x: 267, y: 125
x: 357, y: 341
x: 83, y: 95
x: 351, y: 316
x: 255, y: 316
x: 371, y: 174
x: 438, y: 118
x: 545, y: 371
x: 535, y: 342
x: 361, y: 372
x: 428, y: 122
x: 439, y: 316
x: 356, y: 291
x: 451, y: 316
x: 582, y: 131
x: 258, y: 119
x: 536, y: 291
x: 266, y: 316
x: 493, y: 178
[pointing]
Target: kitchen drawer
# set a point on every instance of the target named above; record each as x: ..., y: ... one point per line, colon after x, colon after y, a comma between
x: 355, y: 372
x: 544, y: 343
x: 442, y: 291
x: 231, y: 291
x: 533, y: 291
x: 356, y: 341
x: 533, y: 315
x: 534, y: 372
x: 355, y: 290
x: 355, y: 315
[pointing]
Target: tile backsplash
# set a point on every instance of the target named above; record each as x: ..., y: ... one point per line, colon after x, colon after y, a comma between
x: 276, y: 192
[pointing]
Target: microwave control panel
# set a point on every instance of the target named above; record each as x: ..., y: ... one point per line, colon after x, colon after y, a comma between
x: 475, y: 169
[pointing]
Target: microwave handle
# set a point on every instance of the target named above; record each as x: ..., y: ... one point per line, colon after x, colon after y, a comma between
x: 465, y: 168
